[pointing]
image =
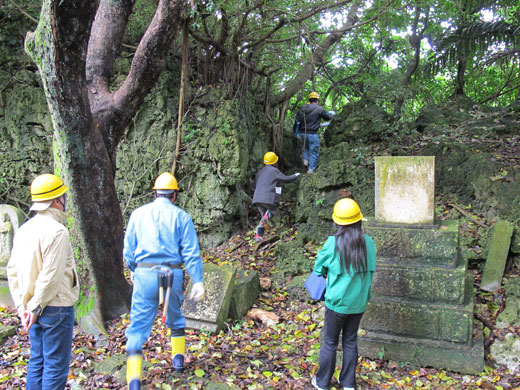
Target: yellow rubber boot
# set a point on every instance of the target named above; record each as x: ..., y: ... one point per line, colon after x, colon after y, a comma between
x: 178, y: 350
x: 134, y: 363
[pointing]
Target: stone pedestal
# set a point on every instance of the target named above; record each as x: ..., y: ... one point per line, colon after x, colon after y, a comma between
x: 421, y: 310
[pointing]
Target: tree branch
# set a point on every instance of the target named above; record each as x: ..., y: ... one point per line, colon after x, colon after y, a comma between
x: 23, y: 12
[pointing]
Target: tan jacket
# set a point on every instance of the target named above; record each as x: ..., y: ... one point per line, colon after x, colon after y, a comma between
x: 42, y: 270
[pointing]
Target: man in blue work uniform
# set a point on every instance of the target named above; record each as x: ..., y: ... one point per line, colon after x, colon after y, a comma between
x: 159, y: 238
x: 306, y: 126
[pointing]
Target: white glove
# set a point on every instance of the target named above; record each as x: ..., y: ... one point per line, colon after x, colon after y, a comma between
x: 297, y: 174
x: 332, y: 113
x: 197, y: 291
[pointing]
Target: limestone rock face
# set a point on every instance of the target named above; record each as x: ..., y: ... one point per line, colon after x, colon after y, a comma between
x: 507, y: 352
x: 223, y: 142
x: 25, y: 137
x: 511, y: 314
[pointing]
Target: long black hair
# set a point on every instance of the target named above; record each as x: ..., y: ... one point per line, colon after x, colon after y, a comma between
x: 351, y: 247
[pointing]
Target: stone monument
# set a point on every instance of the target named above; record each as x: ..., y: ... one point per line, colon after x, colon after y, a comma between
x: 421, y: 310
x: 10, y: 220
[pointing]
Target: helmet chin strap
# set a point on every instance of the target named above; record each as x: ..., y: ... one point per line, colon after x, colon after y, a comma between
x: 63, y: 202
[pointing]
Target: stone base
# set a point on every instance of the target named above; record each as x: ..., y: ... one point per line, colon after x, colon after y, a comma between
x: 416, y: 245
x: 421, y: 320
x: 464, y: 358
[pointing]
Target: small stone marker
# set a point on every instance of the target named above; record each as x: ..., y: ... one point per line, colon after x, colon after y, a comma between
x: 497, y: 256
x: 404, y: 189
x: 211, y: 312
x: 16, y: 216
x: 6, y: 239
x: 245, y: 293
x: 10, y: 220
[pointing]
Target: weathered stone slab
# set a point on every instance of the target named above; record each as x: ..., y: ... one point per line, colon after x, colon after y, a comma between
x: 460, y: 357
x: 511, y: 314
x: 211, y: 312
x: 430, y: 245
x: 432, y: 284
x: 419, y: 319
x: 404, y: 189
x: 497, y: 256
x: 245, y: 293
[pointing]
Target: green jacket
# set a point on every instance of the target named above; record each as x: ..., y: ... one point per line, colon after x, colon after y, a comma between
x: 346, y: 294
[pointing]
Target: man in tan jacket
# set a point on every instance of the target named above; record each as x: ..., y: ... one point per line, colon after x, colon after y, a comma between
x: 44, y: 284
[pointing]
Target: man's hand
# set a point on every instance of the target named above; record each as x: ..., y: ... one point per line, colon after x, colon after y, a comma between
x: 29, y: 320
x: 197, y: 291
x: 23, y: 314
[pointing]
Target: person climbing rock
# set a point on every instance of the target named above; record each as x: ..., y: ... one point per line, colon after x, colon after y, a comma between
x: 268, y: 191
x: 44, y: 284
x: 306, y: 126
x: 348, y: 260
x: 159, y: 238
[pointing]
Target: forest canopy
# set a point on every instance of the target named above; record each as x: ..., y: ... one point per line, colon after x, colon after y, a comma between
x: 390, y: 51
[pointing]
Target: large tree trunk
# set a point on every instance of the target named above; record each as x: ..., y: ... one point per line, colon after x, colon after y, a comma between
x: 89, y: 121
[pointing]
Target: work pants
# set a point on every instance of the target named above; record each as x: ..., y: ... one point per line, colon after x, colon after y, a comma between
x: 335, y: 323
x: 311, y: 149
x: 145, y: 302
x: 267, y: 211
x: 51, y: 343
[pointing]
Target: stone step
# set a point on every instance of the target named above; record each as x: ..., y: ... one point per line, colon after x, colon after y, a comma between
x: 433, y: 244
x: 432, y: 284
x: 466, y: 357
x: 403, y: 317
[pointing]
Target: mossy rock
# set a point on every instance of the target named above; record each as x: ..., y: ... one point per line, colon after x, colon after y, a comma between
x: 5, y: 332
x: 296, y: 289
x: 360, y: 121
x: 291, y: 259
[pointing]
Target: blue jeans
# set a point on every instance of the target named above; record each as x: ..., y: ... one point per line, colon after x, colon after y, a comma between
x: 145, y: 301
x: 51, y: 343
x: 311, y: 150
x: 335, y: 323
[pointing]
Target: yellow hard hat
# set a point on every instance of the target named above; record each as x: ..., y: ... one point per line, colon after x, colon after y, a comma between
x: 314, y: 95
x: 47, y: 187
x: 346, y: 212
x: 270, y: 158
x: 166, y: 181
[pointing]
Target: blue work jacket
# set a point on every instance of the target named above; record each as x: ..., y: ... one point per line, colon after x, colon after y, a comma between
x: 162, y: 233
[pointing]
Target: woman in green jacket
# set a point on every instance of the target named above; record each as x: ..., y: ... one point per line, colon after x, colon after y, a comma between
x: 348, y: 260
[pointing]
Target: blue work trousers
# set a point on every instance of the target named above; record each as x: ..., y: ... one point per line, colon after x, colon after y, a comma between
x: 145, y: 301
x: 51, y: 343
x: 335, y: 323
x: 311, y: 150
